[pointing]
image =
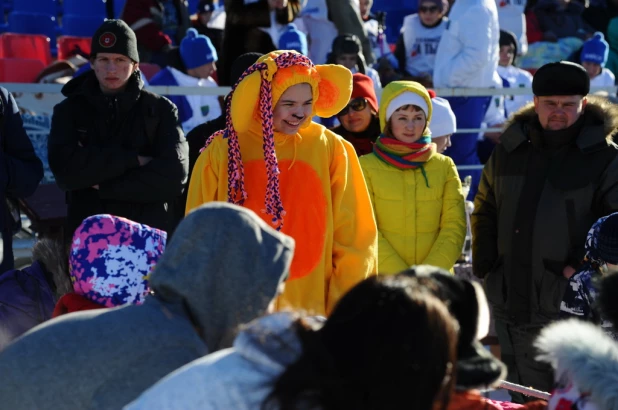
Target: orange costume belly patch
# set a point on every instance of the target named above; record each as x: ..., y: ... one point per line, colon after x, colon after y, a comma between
x: 305, y: 205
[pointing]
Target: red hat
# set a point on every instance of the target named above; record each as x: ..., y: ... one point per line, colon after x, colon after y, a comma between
x: 362, y: 87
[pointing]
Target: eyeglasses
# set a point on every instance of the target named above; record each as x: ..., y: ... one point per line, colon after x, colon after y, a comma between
x: 430, y: 9
x: 357, y: 104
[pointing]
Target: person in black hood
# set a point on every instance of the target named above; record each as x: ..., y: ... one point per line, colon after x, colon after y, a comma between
x: 114, y: 147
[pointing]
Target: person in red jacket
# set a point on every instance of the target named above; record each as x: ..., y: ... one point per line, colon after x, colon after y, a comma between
x: 158, y: 25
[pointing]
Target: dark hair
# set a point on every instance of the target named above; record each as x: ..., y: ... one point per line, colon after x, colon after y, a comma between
x: 53, y: 255
x: 388, y: 344
x: 347, y: 44
x: 388, y: 130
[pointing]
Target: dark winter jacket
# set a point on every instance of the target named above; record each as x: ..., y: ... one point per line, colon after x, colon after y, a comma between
x: 220, y: 270
x: 28, y: 296
x: 362, y: 141
x: 242, y: 32
x: 534, y: 207
x: 95, y: 140
x: 20, y: 169
x: 146, y: 18
x: 563, y: 23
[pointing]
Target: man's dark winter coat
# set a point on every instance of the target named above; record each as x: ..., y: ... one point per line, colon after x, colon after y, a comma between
x: 95, y: 141
x: 539, y: 195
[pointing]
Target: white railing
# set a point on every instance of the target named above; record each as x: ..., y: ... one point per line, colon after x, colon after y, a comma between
x: 174, y: 90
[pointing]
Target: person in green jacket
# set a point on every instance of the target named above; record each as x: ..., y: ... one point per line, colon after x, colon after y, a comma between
x: 416, y: 193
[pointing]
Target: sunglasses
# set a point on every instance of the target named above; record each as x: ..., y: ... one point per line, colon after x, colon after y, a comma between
x: 357, y: 104
x: 430, y: 9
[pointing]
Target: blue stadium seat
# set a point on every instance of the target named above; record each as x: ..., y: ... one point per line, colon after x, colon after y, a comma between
x: 84, y: 8
x: 50, y: 7
x: 6, y: 6
x: 34, y: 23
x: 192, y: 6
x: 3, y: 26
x: 81, y: 26
x: 118, y: 6
x: 394, y: 19
x: 386, y: 5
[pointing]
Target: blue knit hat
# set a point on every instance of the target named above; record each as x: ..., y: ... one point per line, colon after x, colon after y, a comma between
x: 292, y: 39
x: 595, y: 50
x: 197, y: 50
x: 607, y: 239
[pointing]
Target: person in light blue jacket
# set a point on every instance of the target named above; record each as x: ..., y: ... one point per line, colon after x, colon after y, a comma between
x: 388, y: 344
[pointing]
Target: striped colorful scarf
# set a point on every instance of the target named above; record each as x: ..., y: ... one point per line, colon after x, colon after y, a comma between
x: 405, y: 155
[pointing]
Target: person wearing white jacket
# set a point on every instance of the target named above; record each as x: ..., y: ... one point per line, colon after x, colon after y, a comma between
x: 467, y: 57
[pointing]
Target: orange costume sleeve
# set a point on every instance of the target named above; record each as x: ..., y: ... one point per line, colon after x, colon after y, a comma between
x: 355, y: 246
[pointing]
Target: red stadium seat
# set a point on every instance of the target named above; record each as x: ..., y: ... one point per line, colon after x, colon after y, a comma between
x: 30, y: 46
x: 149, y: 69
x: 19, y: 70
x: 67, y: 46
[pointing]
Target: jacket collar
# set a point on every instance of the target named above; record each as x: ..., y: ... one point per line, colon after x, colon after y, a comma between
x: 600, y: 125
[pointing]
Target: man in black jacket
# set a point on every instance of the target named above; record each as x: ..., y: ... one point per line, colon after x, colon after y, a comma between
x: 20, y: 171
x: 554, y: 173
x: 114, y: 147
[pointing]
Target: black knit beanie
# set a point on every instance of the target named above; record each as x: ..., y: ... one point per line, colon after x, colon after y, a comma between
x: 115, y: 36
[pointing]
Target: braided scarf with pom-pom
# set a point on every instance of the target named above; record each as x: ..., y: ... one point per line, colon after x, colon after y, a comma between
x: 236, y: 187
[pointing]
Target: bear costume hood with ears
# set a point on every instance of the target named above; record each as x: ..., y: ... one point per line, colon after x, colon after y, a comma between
x: 259, y: 88
x: 331, y: 86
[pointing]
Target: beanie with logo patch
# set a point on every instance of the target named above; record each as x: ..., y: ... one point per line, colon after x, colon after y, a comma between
x: 115, y: 36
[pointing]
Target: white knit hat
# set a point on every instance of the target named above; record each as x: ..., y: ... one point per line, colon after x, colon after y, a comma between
x: 443, y: 121
x: 406, y: 98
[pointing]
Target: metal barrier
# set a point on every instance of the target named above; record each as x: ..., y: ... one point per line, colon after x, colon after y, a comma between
x: 528, y: 391
x: 443, y: 92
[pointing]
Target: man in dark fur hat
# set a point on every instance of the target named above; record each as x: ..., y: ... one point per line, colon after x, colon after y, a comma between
x: 554, y: 173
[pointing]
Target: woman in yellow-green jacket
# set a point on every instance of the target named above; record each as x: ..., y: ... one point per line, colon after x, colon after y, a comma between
x: 416, y: 192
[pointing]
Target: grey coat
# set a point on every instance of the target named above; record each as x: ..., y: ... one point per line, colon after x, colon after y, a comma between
x: 221, y: 269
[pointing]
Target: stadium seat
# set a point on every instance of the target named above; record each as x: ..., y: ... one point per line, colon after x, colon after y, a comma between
x: 50, y: 7
x: 6, y: 6
x: 192, y: 6
x: 149, y: 69
x: 118, y: 6
x: 29, y: 46
x: 67, y: 46
x: 89, y: 8
x: 394, y: 21
x: 34, y: 23
x: 19, y: 70
x: 81, y: 26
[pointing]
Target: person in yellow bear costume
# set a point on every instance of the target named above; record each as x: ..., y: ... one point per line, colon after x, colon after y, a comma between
x: 416, y: 192
x: 295, y: 174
